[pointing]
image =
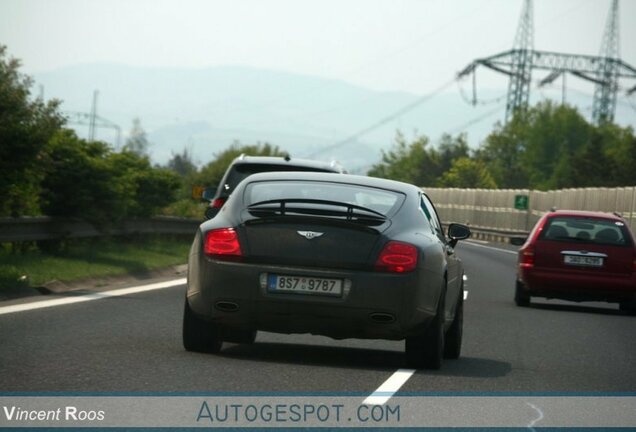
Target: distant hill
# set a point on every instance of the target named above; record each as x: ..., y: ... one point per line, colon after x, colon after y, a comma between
x: 205, y: 110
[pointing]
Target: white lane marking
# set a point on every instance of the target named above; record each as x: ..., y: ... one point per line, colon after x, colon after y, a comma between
x: 490, y: 247
x: 89, y: 297
x: 390, y: 386
x: 465, y: 295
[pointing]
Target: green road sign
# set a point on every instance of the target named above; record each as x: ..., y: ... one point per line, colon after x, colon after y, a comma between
x: 521, y: 202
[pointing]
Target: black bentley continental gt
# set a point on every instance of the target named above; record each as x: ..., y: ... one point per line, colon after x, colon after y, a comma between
x: 328, y: 254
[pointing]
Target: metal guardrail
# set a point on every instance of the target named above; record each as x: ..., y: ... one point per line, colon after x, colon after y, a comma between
x: 501, y: 236
x: 48, y: 228
x: 495, y: 235
x: 491, y: 214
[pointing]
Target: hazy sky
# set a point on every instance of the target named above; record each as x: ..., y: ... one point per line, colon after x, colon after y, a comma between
x: 410, y: 45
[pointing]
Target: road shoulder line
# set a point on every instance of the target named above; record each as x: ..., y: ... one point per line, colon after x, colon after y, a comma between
x: 89, y: 297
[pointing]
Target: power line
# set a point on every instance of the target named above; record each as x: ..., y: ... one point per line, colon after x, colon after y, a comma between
x: 478, y: 119
x: 387, y: 119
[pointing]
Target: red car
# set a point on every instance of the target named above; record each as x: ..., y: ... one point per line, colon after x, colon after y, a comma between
x: 578, y: 256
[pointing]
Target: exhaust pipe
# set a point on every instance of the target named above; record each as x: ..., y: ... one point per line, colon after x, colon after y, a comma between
x: 227, y: 306
x: 382, y: 317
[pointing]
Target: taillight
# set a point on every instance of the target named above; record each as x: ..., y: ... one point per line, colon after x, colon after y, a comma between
x: 397, y: 257
x: 526, y: 257
x: 222, y: 242
x: 218, y: 203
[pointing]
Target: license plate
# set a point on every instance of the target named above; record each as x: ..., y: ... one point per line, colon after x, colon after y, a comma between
x: 583, y: 260
x: 304, y: 285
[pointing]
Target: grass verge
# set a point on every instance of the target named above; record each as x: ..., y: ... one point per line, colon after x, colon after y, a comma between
x: 91, y: 258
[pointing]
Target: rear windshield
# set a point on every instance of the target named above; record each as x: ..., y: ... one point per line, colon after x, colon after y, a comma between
x: 586, y: 230
x: 243, y: 170
x: 378, y: 200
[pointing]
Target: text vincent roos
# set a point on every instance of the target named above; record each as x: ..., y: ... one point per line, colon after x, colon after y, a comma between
x: 69, y: 413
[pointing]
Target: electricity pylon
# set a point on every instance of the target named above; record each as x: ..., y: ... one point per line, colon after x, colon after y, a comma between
x: 92, y: 120
x: 518, y: 63
x: 521, y: 63
x: 605, y: 90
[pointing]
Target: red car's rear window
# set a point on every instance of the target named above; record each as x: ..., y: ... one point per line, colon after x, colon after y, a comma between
x: 586, y: 230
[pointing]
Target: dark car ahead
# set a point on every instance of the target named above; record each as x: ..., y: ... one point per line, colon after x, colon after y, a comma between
x: 578, y: 256
x: 244, y: 166
x: 328, y: 254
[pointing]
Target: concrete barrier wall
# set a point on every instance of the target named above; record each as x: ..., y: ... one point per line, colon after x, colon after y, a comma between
x: 494, y: 209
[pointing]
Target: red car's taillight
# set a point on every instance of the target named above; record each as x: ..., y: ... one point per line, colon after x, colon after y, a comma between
x: 397, y: 257
x: 222, y: 242
x: 218, y: 203
x: 526, y: 257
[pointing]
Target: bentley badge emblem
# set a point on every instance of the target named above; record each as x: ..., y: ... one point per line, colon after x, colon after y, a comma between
x: 310, y: 234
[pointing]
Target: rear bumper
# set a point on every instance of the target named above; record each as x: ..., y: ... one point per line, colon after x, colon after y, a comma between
x: 578, y: 287
x: 375, y: 305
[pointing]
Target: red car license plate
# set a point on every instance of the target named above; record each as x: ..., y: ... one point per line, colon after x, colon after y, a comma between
x: 578, y: 260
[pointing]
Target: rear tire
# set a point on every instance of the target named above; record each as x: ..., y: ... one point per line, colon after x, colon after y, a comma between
x: 453, y: 339
x: 522, y: 297
x: 426, y: 349
x: 199, y: 335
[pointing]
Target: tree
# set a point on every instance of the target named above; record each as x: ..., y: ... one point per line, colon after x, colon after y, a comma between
x: 538, y: 149
x: 450, y: 149
x: 410, y: 163
x: 137, y: 142
x: 502, y: 153
x: 78, y: 180
x: 555, y: 133
x: 212, y: 173
x: 25, y: 128
x: 88, y: 181
x: 468, y: 173
x: 142, y: 189
x: 182, y: 164
x: 619, y: 150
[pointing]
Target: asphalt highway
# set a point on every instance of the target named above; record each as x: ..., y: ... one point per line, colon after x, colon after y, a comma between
x: 132, y: 343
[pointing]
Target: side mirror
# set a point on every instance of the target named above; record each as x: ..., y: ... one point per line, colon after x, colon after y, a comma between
x: 457, y: 232
x: 208, y: 194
